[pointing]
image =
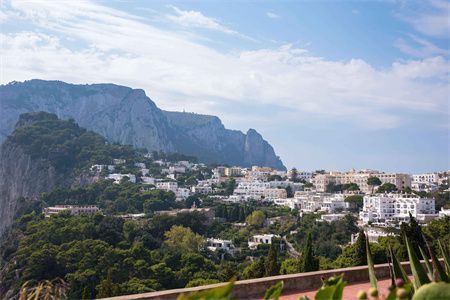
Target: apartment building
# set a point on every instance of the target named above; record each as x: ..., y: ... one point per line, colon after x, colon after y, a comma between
x: 233, y: 172
x: 182, y: 193
x: 426, y: 177
x: 274, y: 193
x: 311, y: 202
x: 74, y: 210
x: 201, y: 189
x: 292, y: 203
x: 321, y: 181
x: 295, y: 186
x: 388, y: 208
x: 167, y: 186
x: 254, y: 189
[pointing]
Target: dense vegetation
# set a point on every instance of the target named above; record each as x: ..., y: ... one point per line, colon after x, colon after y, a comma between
x: 106, y: 255
x: 113, y: 198
x: 66, y: 145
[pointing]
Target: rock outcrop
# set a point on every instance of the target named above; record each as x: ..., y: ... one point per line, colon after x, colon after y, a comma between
x: 23, y: 179
x: 128, y: 116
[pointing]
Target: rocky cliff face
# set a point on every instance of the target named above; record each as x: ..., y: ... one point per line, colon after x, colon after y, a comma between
x: 23, y: 179
x: 128, y: 116
x: 208, y: 138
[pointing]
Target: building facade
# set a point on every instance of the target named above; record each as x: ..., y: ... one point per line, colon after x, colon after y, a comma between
x: 389, y: 208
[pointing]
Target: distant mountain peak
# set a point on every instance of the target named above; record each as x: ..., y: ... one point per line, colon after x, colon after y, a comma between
x: 128, y: 116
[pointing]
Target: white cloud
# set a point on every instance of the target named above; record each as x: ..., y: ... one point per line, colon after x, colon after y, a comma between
x: 195, y: 19
x: 272, y: 15
x: 419, y: 47
x: 180, y: 73
x: 432, y: 21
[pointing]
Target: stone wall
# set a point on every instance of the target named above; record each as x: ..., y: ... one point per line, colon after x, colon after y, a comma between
x: 255, y: 288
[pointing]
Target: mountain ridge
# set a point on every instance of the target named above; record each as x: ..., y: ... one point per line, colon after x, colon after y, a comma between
x: 128, y: 116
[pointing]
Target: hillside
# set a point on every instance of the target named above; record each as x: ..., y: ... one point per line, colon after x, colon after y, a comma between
x: 44, y: 152
x: 128, y: 116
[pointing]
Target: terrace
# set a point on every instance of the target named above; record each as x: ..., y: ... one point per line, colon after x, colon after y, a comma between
x: 295, y: 285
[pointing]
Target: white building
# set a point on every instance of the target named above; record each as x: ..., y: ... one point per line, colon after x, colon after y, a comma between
x: 233, y: 172
x: 75, y: 210
x: 118, y: 177
x: 424, y: 186
x: 177, y: 169
x: 387, y: 208
x: 148, y: 180
x: 372, y: 235
x: 321, y: 181
x: 98, y: 168
x: 311, y: 202
x: 258, y: 173
x: 302, y: 175
x: 167, y: 186
x: 292, y: 203
x: 444, y: 212
x: 140, y: 165
x: 119, y: 161
x: 426, y: 177
x: 132, y: 216
x: 261, y: 239
x: 202, y: 189
x: 182, y: 193
x: 274, y: 193
x: 332, y: 217
x: 253, y: 189
x: 218, y: 244
x: 237, y: 198
x: 295, y: 186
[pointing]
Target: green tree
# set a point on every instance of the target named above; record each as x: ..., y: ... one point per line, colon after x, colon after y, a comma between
x: 291, y: 266
x: 387, y: 188
x: 289, y: 192
x: 309, y: 261
x: 272, y: 267
x: 350, y: 187
x: 256, y: 218
x: 293, y: 175
x: 413, y: 231
x: 107, y: 288
x: 255, y: 270
x: 234, y: 213
x: 274, y: 177
x: 360, y: 251
x: 373, y: 181
x: 241, y: 214
x: 183, y: 239
x: 356, y: 202
x: 353, y: 255
x: 230, y: 186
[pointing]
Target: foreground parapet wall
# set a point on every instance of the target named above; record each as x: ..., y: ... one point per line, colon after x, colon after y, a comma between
x: 255, y: 288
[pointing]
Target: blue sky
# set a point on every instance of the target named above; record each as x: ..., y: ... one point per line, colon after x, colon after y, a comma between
x: 330, y: 84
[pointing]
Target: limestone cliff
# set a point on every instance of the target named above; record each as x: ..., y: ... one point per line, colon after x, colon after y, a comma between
x: 24, y: 177
x: 128, y: 116
x: 208, y: 138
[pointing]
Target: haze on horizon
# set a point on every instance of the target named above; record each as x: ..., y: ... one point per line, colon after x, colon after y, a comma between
x: 330, y: 85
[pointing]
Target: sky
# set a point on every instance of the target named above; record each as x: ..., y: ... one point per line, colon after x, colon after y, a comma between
x: 331, y: 85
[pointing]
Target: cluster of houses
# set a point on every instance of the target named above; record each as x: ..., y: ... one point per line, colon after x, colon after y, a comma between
x: 227, y: 246
x: 305, y: 191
